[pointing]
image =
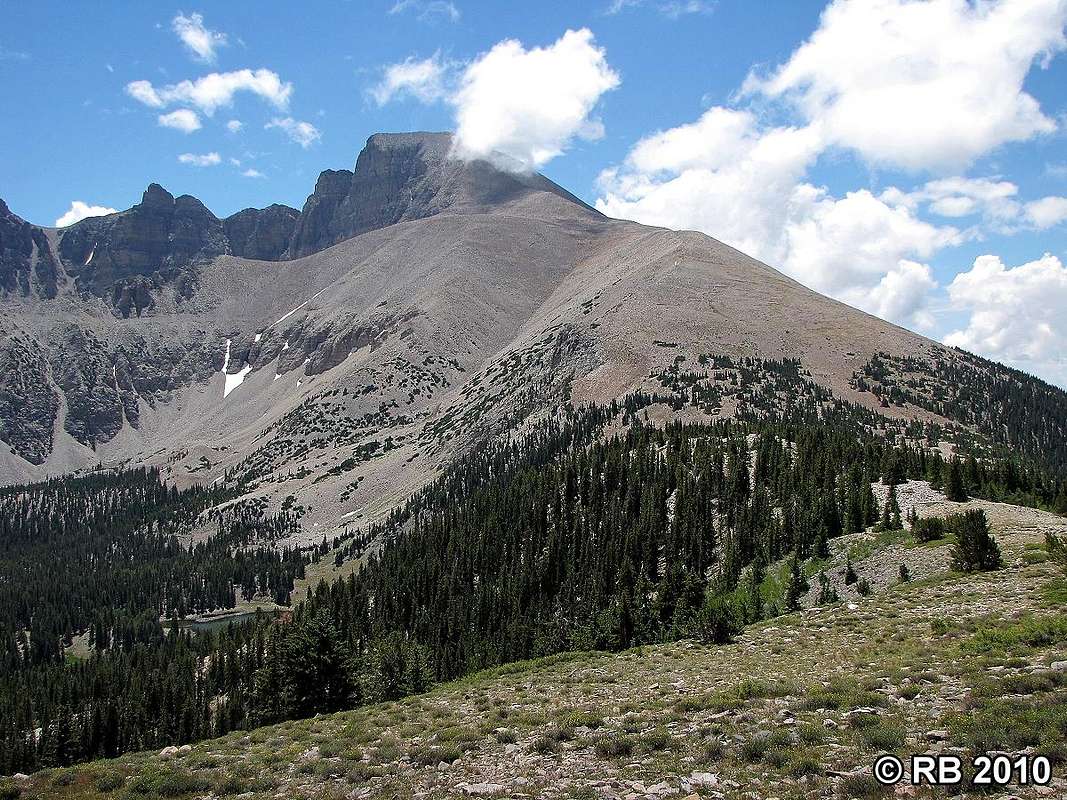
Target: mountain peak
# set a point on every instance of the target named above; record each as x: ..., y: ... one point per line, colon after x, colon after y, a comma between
x: 155, y: 195
x: 399, y: 177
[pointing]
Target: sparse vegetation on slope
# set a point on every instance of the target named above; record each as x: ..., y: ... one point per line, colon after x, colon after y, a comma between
x: 967, y: 660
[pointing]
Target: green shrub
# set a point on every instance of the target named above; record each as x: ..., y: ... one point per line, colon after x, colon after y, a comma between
x: 167, y: 782
x: 614, y: 746
x: 883, y: 736
x: 109, y: 781
x: 931, y: 529
x: 544, y: 745
x: 655, y: 741
x: 862, y: 787
x: 430, y: 756
x: 506, y: 736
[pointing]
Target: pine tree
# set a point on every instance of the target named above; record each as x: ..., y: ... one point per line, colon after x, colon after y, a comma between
x: 827, y: 593
x: 797, y: 586
x: 975, y: 549
x: 850, y: 574
x: 954, y: 488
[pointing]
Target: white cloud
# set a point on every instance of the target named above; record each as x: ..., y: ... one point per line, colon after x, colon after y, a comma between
x: 727, y: 176
x: 79, y: 210
x: 215, y: 90
x: 144, y: 92
x: 200, y: 160
x: 183, y: 119
x: 303, y: 133
x: 1046, y: 212
x: 530, y: 104
x: 423, y: 80
x: 428, y: 10
x: 672, y: 9
x: 1015, y: 313
x: 199, y: 40
x: 921, y: 85
x: 903, y: 295
x: 253, y: 173
x: 680, y: 8
x: 993, y: 199
x: 913, y: 85
x: 862, y: 251
x: 234, y: 125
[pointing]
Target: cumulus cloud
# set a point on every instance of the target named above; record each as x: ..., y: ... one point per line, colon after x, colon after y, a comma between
x: 198, y: 40
x: 215, y: 90
x: 253, y: 173
x: 1014, y: 313
x: 423, y: 80
x: 427, y: 10
x: 744, y: 184
x: 79, y: 210
x: 1047, y: 211
x: 921, y: 85
x: 303, y: 133
x: 898, y: 82
x: 234, y: 125
x: 994, y: 200
x: 519, y: 107
x: 183, y: 119
x: 903, y: 295
x: 530, y: 104
x: 200, y: 159
x: 861, y: 250
x: 723, y: 175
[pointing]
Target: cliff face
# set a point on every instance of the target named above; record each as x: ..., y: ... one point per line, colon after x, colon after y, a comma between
x: 27, y: 264
x: 401, y: 177
x: 124, y: 257
x: 317, y: 228
x: 262, y: 234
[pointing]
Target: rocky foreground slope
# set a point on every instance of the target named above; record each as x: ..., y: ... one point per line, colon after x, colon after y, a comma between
x: 798, y: 707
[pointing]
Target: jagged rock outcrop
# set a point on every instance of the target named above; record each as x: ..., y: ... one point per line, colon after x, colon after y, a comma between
x: 124, y: 256
x: 318, y: 227
x: 400, y: 177
x: 28, y: 403
x: 261, y: 233
x: 27, y: 264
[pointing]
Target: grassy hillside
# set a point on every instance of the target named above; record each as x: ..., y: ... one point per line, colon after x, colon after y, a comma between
x: 797, y: 707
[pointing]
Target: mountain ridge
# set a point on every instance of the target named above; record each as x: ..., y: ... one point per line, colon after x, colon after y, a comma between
x: 347, y: 377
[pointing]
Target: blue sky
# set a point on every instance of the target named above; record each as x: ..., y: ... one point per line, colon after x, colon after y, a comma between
x: 906, y: 157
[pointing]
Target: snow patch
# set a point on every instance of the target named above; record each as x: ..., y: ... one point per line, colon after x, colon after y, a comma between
x: 283, y: 319
x: 90, y: 258
x: 259, y: 336
x: 285, y: 347
x: 235, y: 380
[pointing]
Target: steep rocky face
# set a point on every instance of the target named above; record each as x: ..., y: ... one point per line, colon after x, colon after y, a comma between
x: 400, y: 177
x: 28, y: 403
x: 317, y: 228
x: 27, y: 264
x: 261, y: 233
x: 124, y: 256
